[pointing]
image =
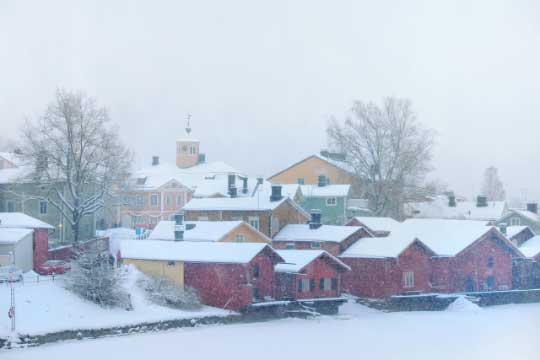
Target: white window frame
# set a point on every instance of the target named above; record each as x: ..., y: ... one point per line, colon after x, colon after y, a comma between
x: 154, y: 196
x: 300, y: 181
x: 45, y: 205
x: 139, y: 201
x: 290, y: 246
x: 305, y: 285
x: 179, y: 200
x: 327, y: 282
x: 515, y: 221
x: 316, y: 245
x: 331, y: 201
x: 252, y: 220
x: 408, y: 279
x: 168, y: 200
x: 239, y: 238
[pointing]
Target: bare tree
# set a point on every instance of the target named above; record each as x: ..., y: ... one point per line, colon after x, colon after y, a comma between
x: 389, y: 151
x: 492, y: 186
x: 76, y: 157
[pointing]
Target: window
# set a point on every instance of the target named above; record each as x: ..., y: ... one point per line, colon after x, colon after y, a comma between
x: 168, y: 200
x: 256, y: 271
x: 490, y: 262
x: 254, y: 221
x: 334, y: 284
x: 515, y: 221
x: 179, y: 200
x: 139, y: 201
x: 490, y: 282
x: 300, y: 181
x: 303, y: 285
x: 139, y: 220
x: 312, y: 285
x: 171, y: 263
x: 43, y: 207
x: 290, y: 246
x: 321, y: 284
x: 408, y: 279
x: 316, y: 245
x: 239, y: 238
x: 10, y: 206
x: 331, y: 201
x: 275, y: 225
x: 141, y: 181
x: 153, y: 220
x: 154, y: 200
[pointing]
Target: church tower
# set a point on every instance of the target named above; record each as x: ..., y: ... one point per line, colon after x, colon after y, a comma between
x: 187, y: 149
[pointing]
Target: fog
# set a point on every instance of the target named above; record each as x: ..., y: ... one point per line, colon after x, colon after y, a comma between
x: 261, y: 79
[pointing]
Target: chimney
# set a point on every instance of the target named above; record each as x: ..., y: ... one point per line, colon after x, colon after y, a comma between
x: 481, y: 201
x: 179, y: 227
x: 155, y: 160
x: 532, y: 207
x: 325, y: 153
x: 233, y: 192
x: 260, y: 181
x: 244, y: 185
x: 231, y: 183
x: 322, y: 180
x: 452, y: 200
x: 276, y: 193
x: 202, y: 158
x: 502, y: 228
x: 315, y: 221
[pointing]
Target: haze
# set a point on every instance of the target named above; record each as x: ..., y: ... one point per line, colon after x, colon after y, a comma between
x: 261, y: 79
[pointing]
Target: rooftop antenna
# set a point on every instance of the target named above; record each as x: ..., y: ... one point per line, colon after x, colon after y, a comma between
x: 188, y: 126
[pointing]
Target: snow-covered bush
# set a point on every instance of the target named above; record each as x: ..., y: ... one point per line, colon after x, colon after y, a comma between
x: 93, y: 278
x: 164, y: 292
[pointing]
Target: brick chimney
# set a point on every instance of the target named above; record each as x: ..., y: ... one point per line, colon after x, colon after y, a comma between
x: 315, y: 221
x: 532, y: 207
x: 276, y: 193
x: 179, y: 227
x: 481, y: 201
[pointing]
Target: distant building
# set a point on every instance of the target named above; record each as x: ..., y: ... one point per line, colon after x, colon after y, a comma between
x: 522, y: 217
x: 378, y: 226
x: 449, y: 207
x: 20, y: 193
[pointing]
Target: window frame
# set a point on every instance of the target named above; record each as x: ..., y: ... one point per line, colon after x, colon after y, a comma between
x: 253, y: 219
x: 300, y: 181
x: 43, y: 207
x: 408, y: 279
x: 330, y: 203
x: 239, y: 238
x: 315, y: 247
x: 156, y: 196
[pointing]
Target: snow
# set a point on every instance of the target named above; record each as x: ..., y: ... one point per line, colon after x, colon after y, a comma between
x: 325, y: 191
x: 531, y: 247
x: 257, y: 202
x: 444, y: 237
x: 116, y: 235
x: 438, y: 208
x: 302, y: 232
x: 203, y: 230
x: 210, y: 252
x: 379, y: 223
x: 512, y: 231
x: 297, y: 260
x: 45, y: 306
x: 525, y: 214
x: 461, y: 304
x: 20, y: 220
x: 496, y: 333
x: 13, y: 158
x: 12, y: 236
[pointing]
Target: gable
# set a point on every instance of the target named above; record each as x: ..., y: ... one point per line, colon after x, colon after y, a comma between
x: 309, y: 169
x: 495, y: 238
x: 249, y: 233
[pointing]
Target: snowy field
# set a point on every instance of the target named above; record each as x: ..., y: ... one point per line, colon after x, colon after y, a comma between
x: 463, y: 332
x: 46, y: 306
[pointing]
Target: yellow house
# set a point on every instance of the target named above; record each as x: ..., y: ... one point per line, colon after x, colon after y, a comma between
x: 171, y: 270
x: 316, y: 168
x: 211, y: 231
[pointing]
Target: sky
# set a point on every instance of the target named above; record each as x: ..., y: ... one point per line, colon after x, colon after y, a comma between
x: 262, y: 79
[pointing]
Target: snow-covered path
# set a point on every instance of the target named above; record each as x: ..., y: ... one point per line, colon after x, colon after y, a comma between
x: 503, y: 332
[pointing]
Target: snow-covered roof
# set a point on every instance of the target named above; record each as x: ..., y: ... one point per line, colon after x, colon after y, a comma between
x: 443, y: 237
x: 297, y: 260
x: 212, y: 252
x: 158, y: 175
x: 438, y: 208
x: 11, y: 157
x: 529, y: 215
x: 13, y: 235
x: 379, y: 223
x: 326, y: 191
x: 20, y: 220
x: 343, y: 165
x: 218, y: 185
x: 302, y: 232
x: 203, y: 230
x: 531, y: 247
x: 512, y: 231
x: 257, y: 202
x: 16, y: 174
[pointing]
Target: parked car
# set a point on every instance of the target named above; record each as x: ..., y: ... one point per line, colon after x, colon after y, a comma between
x: 10, y: 273
x: 52, y: 267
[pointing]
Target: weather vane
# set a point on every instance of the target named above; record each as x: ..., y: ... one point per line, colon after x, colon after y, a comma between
x: 188, y: 126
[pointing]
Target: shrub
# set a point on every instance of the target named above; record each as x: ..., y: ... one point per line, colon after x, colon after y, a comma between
x: 164, y: 292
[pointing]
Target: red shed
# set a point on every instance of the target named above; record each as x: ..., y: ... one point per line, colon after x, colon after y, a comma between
x: 308, y: 274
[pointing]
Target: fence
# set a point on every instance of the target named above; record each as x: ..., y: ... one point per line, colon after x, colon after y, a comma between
x: 67, y: 252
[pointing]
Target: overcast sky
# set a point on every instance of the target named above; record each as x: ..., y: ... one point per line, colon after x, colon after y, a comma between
x: 262, y: 78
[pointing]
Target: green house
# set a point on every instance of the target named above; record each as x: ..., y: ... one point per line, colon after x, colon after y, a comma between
x: 331, y: 200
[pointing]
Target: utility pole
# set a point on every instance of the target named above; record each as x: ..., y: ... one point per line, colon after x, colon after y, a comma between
x: 11, y: 312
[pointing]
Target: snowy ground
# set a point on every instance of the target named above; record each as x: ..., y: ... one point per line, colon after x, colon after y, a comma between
x: 45, y: 306
x: 462, y: 332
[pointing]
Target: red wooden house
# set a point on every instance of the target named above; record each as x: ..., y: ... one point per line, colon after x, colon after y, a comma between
x: 315, y: 236
x: 225, y: 275
x: 308, y: 274
x: 378, y: 226
x: 427, y: 255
